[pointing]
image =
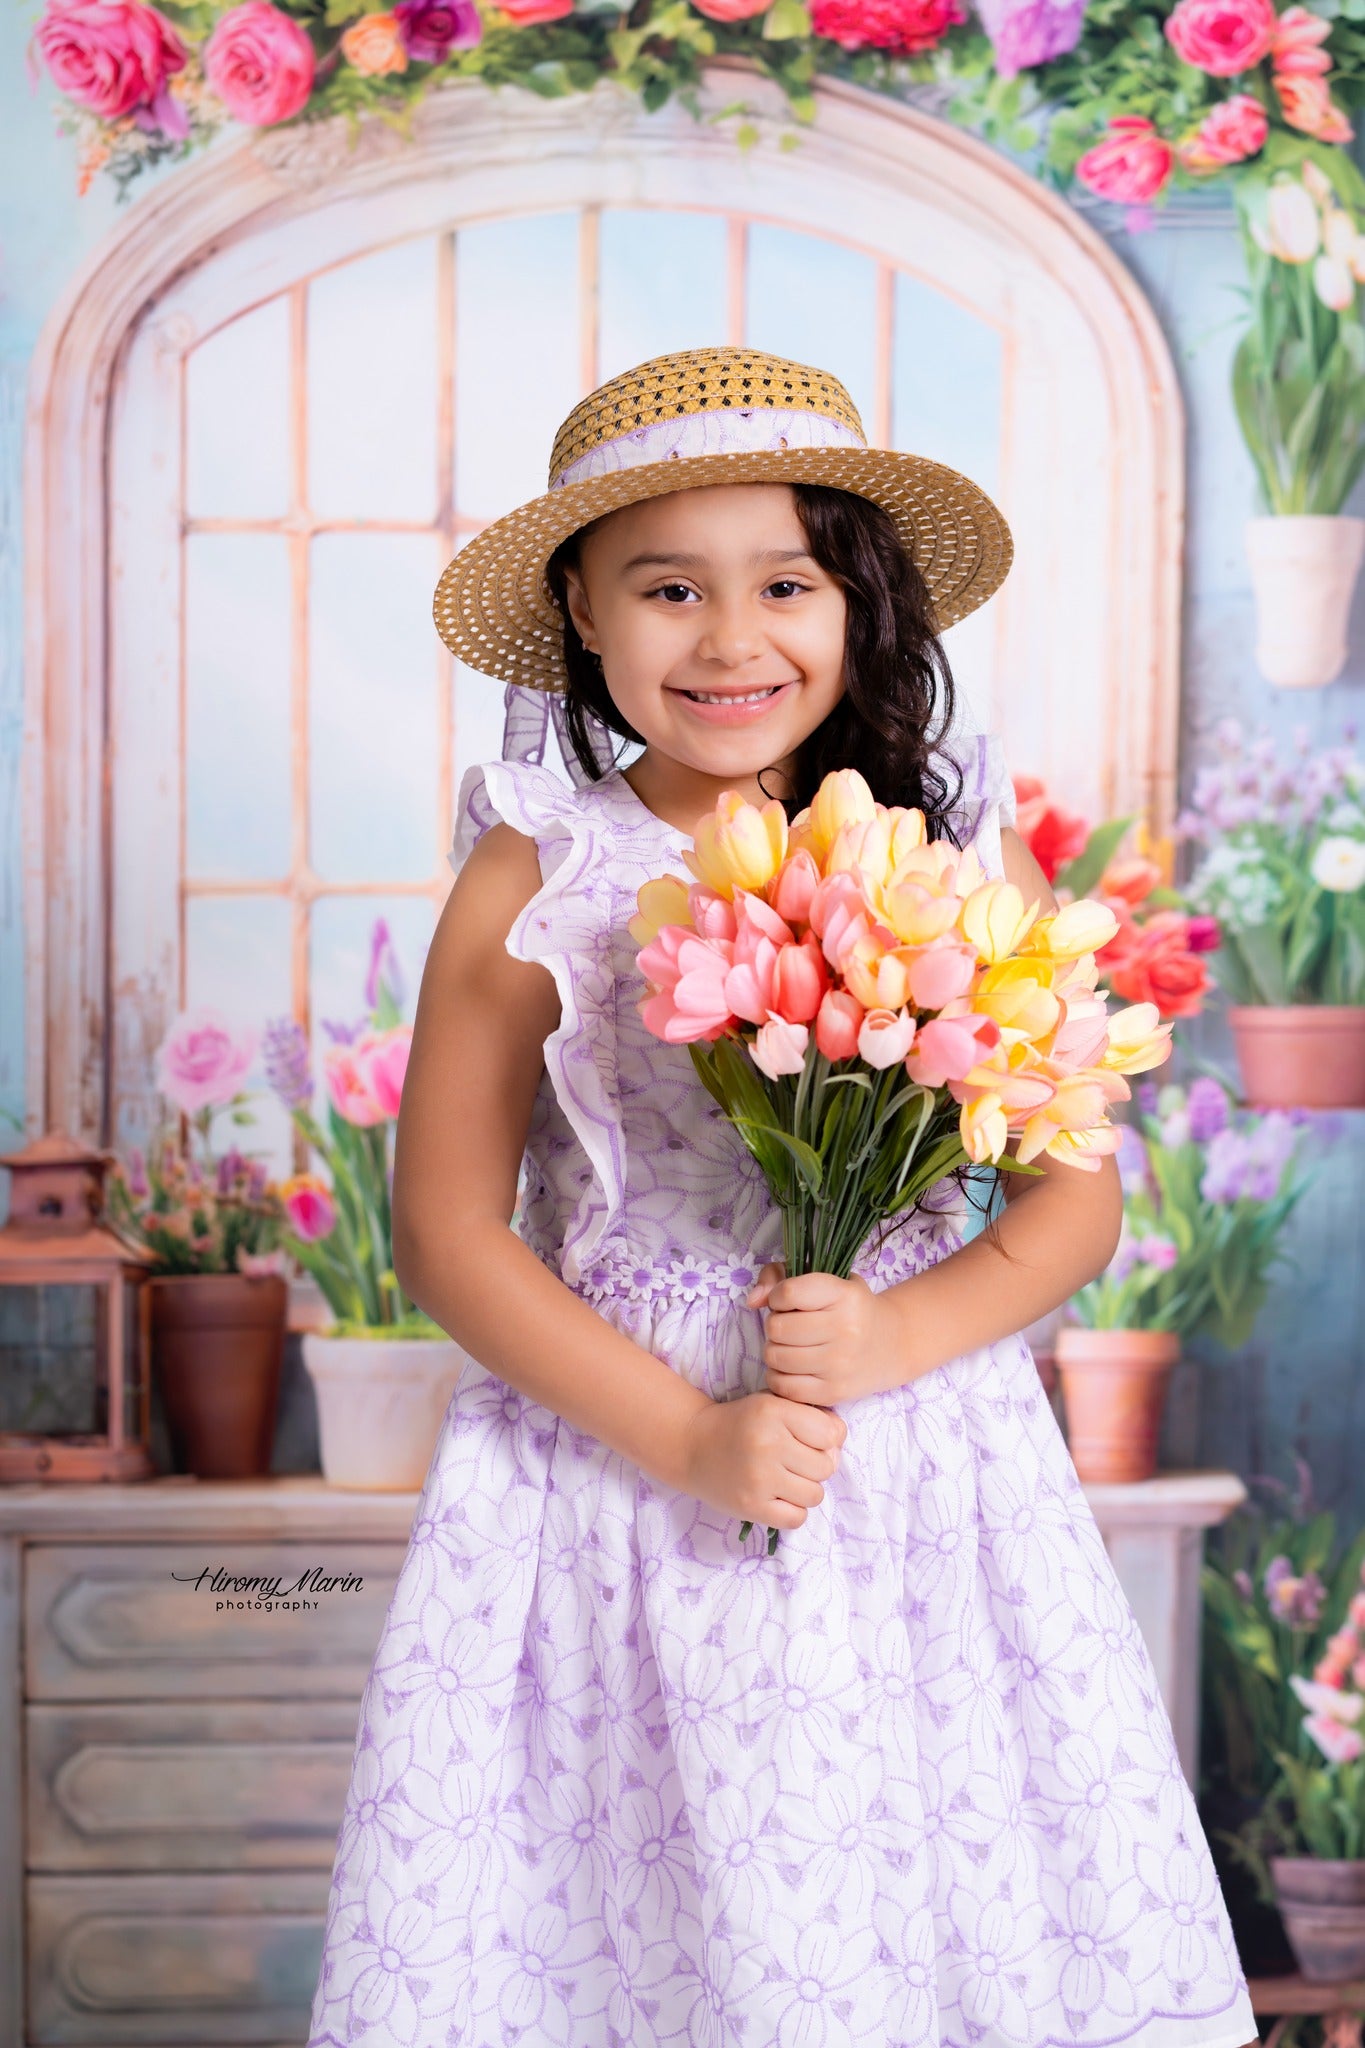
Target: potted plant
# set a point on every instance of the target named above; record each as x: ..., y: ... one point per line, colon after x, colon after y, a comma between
x: 383, y: 1372
x: 1281, y: 834
x: 1206, y: 1194
x: 214, y: 1225
x: 1298, y: 383
x: 1320, y: 1884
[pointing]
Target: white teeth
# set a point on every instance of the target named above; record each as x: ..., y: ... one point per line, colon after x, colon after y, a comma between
x: 701, y: 696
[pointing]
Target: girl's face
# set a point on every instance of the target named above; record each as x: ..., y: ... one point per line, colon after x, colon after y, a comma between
x: 721, y: 637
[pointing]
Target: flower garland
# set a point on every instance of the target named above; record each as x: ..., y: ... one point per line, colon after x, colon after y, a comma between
x: 1129, y: 100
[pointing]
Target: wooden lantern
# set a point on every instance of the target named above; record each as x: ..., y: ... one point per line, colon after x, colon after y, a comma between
x: 54, y: 1239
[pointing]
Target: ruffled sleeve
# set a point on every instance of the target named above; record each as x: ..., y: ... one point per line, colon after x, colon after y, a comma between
x: 986, y: 803
x: 566, y: 928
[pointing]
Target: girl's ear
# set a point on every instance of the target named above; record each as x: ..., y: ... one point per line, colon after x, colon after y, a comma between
x: 576, y: 597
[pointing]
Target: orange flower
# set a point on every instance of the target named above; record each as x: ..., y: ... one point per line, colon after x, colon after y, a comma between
x: 1307, y: 105
x: 374, y: 46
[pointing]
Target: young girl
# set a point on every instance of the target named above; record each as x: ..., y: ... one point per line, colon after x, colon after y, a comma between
x: 622, y: 1779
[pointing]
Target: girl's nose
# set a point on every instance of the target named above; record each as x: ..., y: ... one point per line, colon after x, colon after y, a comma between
x: 732, y: 635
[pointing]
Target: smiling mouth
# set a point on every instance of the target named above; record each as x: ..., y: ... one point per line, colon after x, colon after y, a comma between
x: 733, y: 696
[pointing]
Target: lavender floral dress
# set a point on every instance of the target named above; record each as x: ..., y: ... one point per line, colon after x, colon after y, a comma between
x: 623, y: 1781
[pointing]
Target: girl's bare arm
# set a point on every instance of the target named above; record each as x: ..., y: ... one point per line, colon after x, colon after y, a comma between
x: 477, y: 1058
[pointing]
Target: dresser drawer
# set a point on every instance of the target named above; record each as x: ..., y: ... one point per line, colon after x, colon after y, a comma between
x: 187, y: 1786
x: 176, y: 1960
x: 144, y: 1621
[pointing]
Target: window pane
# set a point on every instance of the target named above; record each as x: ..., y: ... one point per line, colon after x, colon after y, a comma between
x: 663, y: 285
x: 237, y: 705
x: 375, y: 665
x: 342, y: 929
x: 815, y: 302
x: 478, y: 720
x: 372, y: 387
x: 237, y: 453
x: 945, y: 383
x: 237, y: 960
x: 516, y: 356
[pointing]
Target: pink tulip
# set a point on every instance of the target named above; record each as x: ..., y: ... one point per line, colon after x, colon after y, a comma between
x: 799, y: 981
x: 839, y: 915
x: 1297, y: 48
x: 386, y: 1054
x: 1082, y: 1037
x: 260, y: 63
x: 885, y: 1037
x: 837, y: 1024
x: 1221, y: 37
x: 947, y: 1048
x: 939, y: 974
x: 202, y: 1061
x: 658, y: 961
x: 309, y: 1206
x: 1308, y: 106
x: 692, y: 1004
x: 794, y: 887
x: 780, y: 1047
x: 1130, y: 164
x: 712, y: 915
x: 347, y: 1074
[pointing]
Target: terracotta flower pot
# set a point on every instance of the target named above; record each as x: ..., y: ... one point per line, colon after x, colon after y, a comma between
x: 217, y: 1353
x: 1303, y: 571
x: 1322, y: 1904
x: 1113, y: 1390
x: 381, y: 1402
x: 1307, y: 1056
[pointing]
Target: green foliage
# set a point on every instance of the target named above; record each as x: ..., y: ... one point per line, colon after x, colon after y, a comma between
x: 191, y: 1209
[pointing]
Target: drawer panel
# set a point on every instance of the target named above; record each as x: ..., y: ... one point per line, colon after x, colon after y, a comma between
x: 187, y: 1787
x: 137, y: 1962
x: 149, y: 1621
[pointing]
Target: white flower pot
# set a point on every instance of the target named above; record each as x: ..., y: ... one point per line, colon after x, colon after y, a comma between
x: 1303, y: 573
x: 381, y: 1403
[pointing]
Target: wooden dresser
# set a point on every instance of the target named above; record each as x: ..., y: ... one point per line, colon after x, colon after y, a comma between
x: 173, y: 1764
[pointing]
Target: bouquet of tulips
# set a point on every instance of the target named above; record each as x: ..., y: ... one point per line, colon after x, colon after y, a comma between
x: 873, y: 1012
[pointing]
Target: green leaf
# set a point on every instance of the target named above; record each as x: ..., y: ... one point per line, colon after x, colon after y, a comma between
x: 1081, y: 875
x: 785, y: 20
x: 806, y: 1157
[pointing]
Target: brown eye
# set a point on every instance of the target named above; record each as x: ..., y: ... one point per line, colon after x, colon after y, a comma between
x: 676, y: 593
x: 785, y: 587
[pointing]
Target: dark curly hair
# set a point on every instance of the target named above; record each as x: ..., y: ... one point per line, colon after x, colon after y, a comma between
x: 898, y: 696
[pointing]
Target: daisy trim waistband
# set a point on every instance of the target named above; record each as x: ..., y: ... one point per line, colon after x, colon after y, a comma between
x: 619, y: 1272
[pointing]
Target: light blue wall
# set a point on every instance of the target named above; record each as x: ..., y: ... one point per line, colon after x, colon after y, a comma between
x: 1299, y: 1382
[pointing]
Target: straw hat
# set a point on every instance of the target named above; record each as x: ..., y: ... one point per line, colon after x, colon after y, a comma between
x: 708, y: 416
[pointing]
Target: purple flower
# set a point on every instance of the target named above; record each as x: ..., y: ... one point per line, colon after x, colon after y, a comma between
x: 1207, y: 1104
x: 1132, y: 1160
x: 232, y: 1167
x: 135, y: 1173
x: 288, y: 1070
x: 1242, y: 1582
x: 431, y: 29
x: 342, y: 1034
x: 1160, y: 1252
x: 384, y: 968
x: 1294, y: 1599
x: 1028, y: 32
x: 1248, y: 1165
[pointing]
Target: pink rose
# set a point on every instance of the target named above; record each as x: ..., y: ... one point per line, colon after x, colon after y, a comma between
x: 309, y: 1206
x: 431, y: 29
x: 1308, y: 106
x: 731, y: 10
x: 1130, y: 165
x: 1228, y: 134
x: 1222, y: 37
x: 114, y: 57
x: 1297, y: 49
x: 526, y: 13
x: 260, y: 63
x: 347, y: 1073
x: 202, y: 1061
x: 905, y: 26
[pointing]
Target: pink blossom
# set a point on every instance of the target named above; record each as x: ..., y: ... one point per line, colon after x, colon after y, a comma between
x: 1221, y: 37
x: 1297, y: 48
x: 309, y: 1206
x: 947, y: 1048
x: 1202, y: 935
x: 759, y: 933
x: 690, y: 1001
x: 839, y: 915
x: 1029, y: 32
x: 780, y: 1047
x: 1339, y: 1744
x: 838, y: 1022
x: 114, y: 57
x: 346, y: 1071
x: 731, y: 10
x: 712, y: 915
x: 262, y: 1265
x: 431, y: 29
x: 1130, y: 165
x: 1228, y: 134
x: 1308, y: 106
x: 526, y: 13
x: 202, y: 1061
x: 260, y: 63
x: 385, y: 1054
x: 794, y: 886
x: 940, y: 973
x: 905, y: 26
x: 1082, y: 1037
x: 885, y: 1037
x: 799, y: 981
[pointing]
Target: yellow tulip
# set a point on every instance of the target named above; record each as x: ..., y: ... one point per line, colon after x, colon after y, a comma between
x: 865, y: 845
x: 879, y: 979
x: 983, y: 1129
x: 1018, y: 995
x: 1080, y: 927
x: 915, y: 913
x: 996, y: 921
x: 843, y: 798
x: 661, y: 902
x: 1085, y: 1149
x: 1137, y: 1040
x: 739, y: 845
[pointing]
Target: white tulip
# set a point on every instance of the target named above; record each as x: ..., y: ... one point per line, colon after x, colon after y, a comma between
x: 1339, y: 864
x: 1333, y: 283
x: 1292, y: 232
x: 1318, y: 183
x: 1339, y: 235
x: 1358, y: 259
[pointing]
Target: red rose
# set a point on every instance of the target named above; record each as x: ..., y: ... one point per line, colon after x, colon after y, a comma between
x: 904, y: 26
x: 1053, y: 836
x: 1221, y: 37
x: 109, y: 55
x: 260, y: 63
x: 1131, y: 163
x: 1155, y: 965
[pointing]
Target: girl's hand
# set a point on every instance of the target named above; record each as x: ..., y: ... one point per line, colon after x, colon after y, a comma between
x: 761, y: 1459
x: 827, y: 1340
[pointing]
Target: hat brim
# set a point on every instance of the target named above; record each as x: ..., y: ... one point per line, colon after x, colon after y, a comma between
x: 493, y: 607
